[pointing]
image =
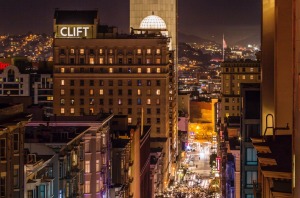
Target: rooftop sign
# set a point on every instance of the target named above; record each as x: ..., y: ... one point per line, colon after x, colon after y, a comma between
x: 74, y: 31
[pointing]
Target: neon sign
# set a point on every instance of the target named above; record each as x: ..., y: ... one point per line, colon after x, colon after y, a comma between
x: 74, y: 31
x: 3, y: 65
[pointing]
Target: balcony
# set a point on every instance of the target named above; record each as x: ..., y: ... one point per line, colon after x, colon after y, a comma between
x: 257, y: 189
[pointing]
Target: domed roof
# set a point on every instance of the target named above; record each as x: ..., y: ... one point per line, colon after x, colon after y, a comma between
x: 153, y: 22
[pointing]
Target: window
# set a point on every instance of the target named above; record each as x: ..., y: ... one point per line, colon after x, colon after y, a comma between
x: 129, y: 92
x: 157, y: 82
x: 250, y: 177
x: 101, y: 61
x: 16, y: 177
x: 81, y: 101
x: 110, y: 92
x: 251, y: 77
x: 139, y: 82
x: 148, y: 61
x: 139, y: 51
x: 62, y: 92
x: 81, y: 92
x: 110, y: 101
x: 92, y: 60
x: 139, y: 61
x: 129, y: 101
x: 120, y: 82
x: 119, y: 101
x: 91, y: 92
x: 251, y: 156
x: 148, y: 111
x: 251, y: 69
x: 120, y: 60
x: 148, y: 92
x: 62, y: 110
x: 81, y: 82
x: 148, y: 70
x: 148, y: 51
x: 110, y: 70
x: 148, y: 120
x: 139, y: 92
x: 226, y: 100
x: 2, y: 149
x: 129, y: 120
x: 158, y: 111
x: 110, y: 60
x: 72, y: 110
x: 91, y: 111
x: 157, y: 101
x: 101, y: 101
x: 100, y: 51
x: 16, y: 142
x: 129, y: 110
x: 139, y: 70
x: 30, y: 194
x: 72, y: 101
x: 139, y: 101
x: 62, y: 82
x: 157, y: 120
x: 62, y: 101
x: 243, y: 77
x: 72, y: 82
x: 244, y: 69
x: 3, y: 186
x: 91, y: 101
x: 81, y: 51
x: 101, y: 92
x: 158, y: 92
x: 91, y: 82
x: 72, y: 51
x: 226, y: 107
x: 157, y: 51
x: 129, y: 60
x: 120, y: 92
x: 158, y: 61
x: 110, y: 83
x: 87, y: 187
x: 62, y: 70
x: 72, y: 92
x: 101, y: 83
x: 72, y: 70
x: 158, y: 129
x: 148, y: 101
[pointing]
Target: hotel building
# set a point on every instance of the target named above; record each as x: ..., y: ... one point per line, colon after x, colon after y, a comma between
x: 96, y: 70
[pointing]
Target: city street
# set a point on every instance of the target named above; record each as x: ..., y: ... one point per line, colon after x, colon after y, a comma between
x: 195, y: 177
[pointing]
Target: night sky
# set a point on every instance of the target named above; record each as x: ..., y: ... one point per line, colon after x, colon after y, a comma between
x: 237, y: 19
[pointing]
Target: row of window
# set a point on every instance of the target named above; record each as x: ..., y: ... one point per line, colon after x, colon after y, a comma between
x: 102, y: 51
x: 237, y: 69
x: 9, y: 79
x: 232, y: 108
x: 109, y: 82
x: 110, y: 92
x: 110, y: 70
x: 3, y: 146
x: 241, y: 77
x: 110, y: 102
x: 109, y: 60
x: 237, y: 100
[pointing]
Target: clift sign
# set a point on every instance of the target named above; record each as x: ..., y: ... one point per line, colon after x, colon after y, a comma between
x: 74, y: 32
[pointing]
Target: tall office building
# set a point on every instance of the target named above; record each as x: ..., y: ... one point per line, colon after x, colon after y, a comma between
x: 161, y: 14
x: 96, y: 70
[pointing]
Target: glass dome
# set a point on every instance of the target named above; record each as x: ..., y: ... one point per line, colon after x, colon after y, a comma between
x: 153, y: 22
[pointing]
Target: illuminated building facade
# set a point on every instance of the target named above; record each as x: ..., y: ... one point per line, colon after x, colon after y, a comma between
x: 233, y: 74
x: 97, y: 70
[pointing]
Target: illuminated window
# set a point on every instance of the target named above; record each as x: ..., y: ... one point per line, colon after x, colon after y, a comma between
x: 244, y: 77
x: 158, y: 61
x: 72, y: 51
x: 148, y: 61
x: 98, y: 163
x: 62, y: 70
x: 148, y: 92
x: 72, y: 101
x: 101, y: 61
x: 157, y: 51
x: 100, y: 51
x: 91, y: 92
x: 251, y: 77
x: 92, y: 101
x: 81, y: 51
x: 148, y: 51
x: 101, y: 92
x: 148, y: 101
x: 92, y: 60
x: 62, y: 92
x: 139, y: 51
x: 251, y: 69
x: 157, y: 101
x: 110, y: 51
x: 91, y: 111
x: 50, y: 98
x: 139, y: 70
x: 227, y: 84
x: 148, y: 70
x: 62, y: 82
x: 158, y: 70
x: 158, y: 92
x: 72, y: 110
x: 139, y: 92
x: 227, y: 77
x: 62, y: 101
x: 72, y: 70
x: 62, y: 110
x: 110, y: 61
x: 110, y: 70
x: 119, y: 101
x: 129, y: 120
x: 87, y: 187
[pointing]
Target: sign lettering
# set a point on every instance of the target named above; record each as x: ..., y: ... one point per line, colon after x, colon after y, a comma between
x: 74, y: 31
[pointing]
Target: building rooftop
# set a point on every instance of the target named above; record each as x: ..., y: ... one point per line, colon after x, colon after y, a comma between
x: 86, y: 118
x: 75, y: 16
